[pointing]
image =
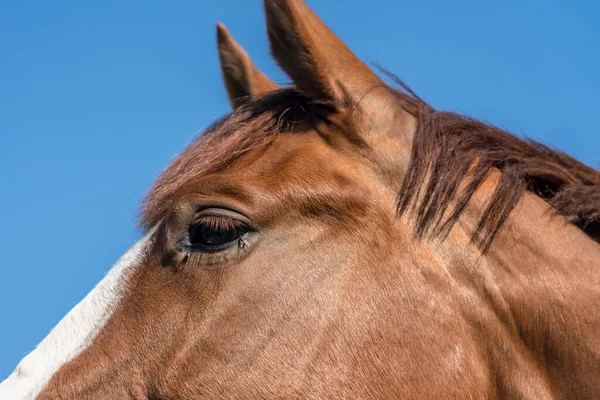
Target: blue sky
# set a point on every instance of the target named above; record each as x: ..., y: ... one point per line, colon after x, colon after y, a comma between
x: 96, y: 98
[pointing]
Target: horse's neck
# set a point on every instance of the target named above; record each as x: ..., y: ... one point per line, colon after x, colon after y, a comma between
x: 539, y: 286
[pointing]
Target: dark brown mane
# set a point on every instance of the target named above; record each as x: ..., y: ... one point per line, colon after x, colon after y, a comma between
x: 447, y: 150
x: 450, y: 150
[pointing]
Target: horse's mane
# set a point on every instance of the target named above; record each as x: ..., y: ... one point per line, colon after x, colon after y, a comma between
x: 451, y: 157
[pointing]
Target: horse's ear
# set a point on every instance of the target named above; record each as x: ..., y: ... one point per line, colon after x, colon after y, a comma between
x: 243, y: 80
x: 318, y: 62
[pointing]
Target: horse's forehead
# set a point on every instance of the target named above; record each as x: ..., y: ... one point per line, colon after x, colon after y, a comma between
x: 250, y: 151
x: 294, y: 171
x: 297, y: 153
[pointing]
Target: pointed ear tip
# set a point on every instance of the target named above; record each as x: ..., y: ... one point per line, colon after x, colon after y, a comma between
x: 222, y: 33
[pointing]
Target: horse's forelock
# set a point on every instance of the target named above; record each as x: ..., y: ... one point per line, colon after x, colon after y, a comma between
x: 248, y: 127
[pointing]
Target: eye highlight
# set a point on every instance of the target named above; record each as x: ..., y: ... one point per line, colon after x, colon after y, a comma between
x: 215, y: 232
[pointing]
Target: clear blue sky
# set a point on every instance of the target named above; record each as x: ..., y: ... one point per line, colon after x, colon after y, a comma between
x: 96, y: 98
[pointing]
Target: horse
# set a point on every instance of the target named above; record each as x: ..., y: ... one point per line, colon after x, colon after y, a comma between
x: 341, y: 238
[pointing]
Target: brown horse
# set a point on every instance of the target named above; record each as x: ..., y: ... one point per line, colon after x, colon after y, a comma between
x: 342, y: 239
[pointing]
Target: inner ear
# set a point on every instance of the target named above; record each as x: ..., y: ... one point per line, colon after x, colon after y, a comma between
x: 243, y: 81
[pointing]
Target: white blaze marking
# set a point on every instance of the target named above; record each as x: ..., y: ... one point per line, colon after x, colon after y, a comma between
x: 74, y: 332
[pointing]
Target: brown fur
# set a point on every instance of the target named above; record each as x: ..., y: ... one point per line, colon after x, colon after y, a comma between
x: 451, y: 148
x: 332, y: 297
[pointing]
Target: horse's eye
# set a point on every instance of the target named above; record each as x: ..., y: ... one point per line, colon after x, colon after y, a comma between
x: 214, y: 233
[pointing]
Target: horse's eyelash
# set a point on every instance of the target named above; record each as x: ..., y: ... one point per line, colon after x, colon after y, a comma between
x: 219, y: 222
